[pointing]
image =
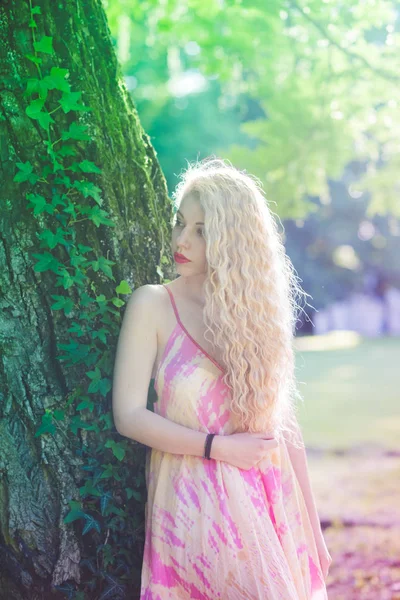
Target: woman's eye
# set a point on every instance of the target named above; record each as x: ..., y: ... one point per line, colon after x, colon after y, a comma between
x: 180, y: 224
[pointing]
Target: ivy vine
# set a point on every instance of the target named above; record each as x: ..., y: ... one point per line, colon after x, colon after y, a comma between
x: 60, y: 196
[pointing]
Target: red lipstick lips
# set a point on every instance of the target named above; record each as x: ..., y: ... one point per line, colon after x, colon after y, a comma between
x: 179, y: 258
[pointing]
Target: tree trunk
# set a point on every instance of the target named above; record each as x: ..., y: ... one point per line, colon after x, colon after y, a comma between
x: 39, y: 475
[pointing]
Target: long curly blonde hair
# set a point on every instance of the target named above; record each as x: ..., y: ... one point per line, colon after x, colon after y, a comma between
x: 250, y: 296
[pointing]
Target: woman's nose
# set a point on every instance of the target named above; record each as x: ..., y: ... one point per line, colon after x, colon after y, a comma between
x: 182, y: 238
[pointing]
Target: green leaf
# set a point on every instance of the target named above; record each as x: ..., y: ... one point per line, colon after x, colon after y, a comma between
x: 69, y: 101
x: 86, y: 404
x: 38, y: 202
x: 73, y: 515
x: 44, y: 45
x: 33, y: 58
x: 59, y: 414
x: 65, y: 304
x: 77, y: 423
x: 135, y: 494
x: 98, y: 216
x: 32, y: 87
x: 87, y: 188
x: 45, y: 119
x: 104, y: 386
x: 83, y: 249
x: 53, y: 239
x: 105, y: 264
x: 66, y: 150
x: 91, y: 524
x: 46, y: 262
x: 56, y: 80
x: 76, y: 132
x: 47, y: 425
x: 25, y: 173
x: 123, y: 288
x: 117, y: 302
x: 105, y: 499
x: 34, y: 108
x: 89, y: 167
x: 117, y: 448
x: 94, y: 375
x: 66, y: 280
x: 36, y: 10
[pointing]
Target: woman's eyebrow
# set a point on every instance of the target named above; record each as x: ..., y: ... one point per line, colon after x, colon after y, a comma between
x: 198, y: 223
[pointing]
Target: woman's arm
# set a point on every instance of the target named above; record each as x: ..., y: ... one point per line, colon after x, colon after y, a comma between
x: 160, y: 433
x: 298, y: 459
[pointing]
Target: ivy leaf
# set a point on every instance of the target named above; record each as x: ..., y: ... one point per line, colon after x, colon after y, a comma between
x: 47, y: 426
x: 105, y: 499
x: 65, y: 304
x: 101, y: 334
x: 33, y: 58
x: 36, y: 10
x: 73, y: 515
x: 45, y: 44
x: 32, y: 87
x: 104, y: 386
x: 69, y: 101
x: 76, y: 132
x: 85, y: 403
x: 123, y: 288
x: 53, y: 239
x: 56, y: 80
x: 96, y: 374
x: 34, y: 108
x: 105, y: 265
x: 91, y: 524
x: 25, y: 173
x: 89, y: 167
x: 99, y: 216
x: 38, y: 203
x: 84, y: 249
x: 45, y: 119
x: 77, y: 423
x: 46, y: 262
x: 66, y: 150
x: 117, y: 302
x: 117, y: 448
x: 133, y: 493
x: 65, y: 280
x: 87, y: 188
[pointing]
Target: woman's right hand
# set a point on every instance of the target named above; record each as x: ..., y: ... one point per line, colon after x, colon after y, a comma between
x: 242, y: 450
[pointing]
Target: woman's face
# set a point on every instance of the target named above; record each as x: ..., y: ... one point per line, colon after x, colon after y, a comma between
x: 188, y: 237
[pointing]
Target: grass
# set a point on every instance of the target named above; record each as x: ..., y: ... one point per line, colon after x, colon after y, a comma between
x: 351, y: 390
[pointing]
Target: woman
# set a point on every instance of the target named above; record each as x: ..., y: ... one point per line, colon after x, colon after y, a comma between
x: 230, y: 513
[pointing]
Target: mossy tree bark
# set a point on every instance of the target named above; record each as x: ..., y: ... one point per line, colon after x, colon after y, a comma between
x: 38, y: 474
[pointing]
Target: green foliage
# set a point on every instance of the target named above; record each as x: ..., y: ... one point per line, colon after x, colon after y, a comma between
x: 303, y: 88
x: 61, y: 195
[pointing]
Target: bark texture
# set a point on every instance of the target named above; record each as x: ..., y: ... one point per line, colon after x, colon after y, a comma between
x: 38, y: 475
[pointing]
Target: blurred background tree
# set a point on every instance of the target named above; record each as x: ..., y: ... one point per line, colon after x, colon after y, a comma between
x: 302, y: 94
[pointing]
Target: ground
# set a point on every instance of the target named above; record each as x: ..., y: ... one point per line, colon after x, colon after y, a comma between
x: 351, y: 426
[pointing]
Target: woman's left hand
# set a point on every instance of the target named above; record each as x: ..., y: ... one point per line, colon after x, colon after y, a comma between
x: 325, y: 558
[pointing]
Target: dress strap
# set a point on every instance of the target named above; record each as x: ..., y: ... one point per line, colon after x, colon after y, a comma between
x: 173, y: 303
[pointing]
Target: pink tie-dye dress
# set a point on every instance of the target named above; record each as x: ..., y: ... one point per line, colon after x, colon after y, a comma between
x: 214, y: 531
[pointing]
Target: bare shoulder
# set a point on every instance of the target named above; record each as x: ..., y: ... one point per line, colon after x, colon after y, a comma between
x: 146, y: 300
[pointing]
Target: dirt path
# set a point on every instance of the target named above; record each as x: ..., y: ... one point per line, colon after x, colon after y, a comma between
x: 358, y: 498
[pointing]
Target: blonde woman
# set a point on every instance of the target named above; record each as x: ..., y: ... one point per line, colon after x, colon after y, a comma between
x: 230, y: 514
